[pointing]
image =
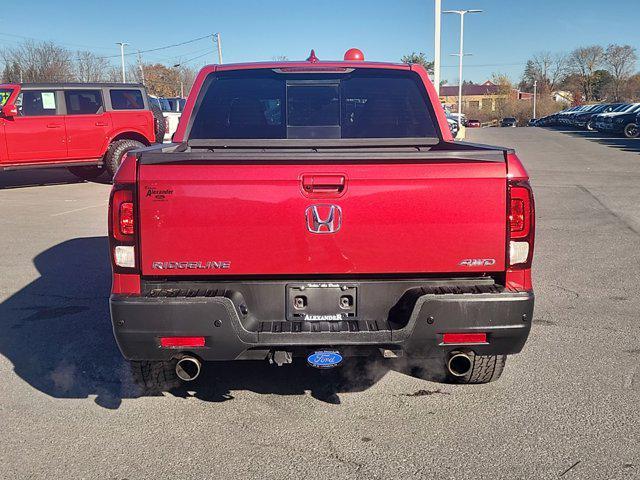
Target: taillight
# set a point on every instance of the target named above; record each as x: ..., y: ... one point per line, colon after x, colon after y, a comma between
x: 122, y: 228
x: 521, y: 224
x: 177, y: 342
x: 126, y: 218
x: 122, y: 214
x: 461, y: 338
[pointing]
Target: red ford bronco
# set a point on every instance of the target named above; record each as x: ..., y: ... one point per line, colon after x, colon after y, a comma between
x: 84, y: 127
x: 319, y: 210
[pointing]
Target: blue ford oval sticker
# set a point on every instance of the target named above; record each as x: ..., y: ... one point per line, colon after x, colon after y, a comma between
x: 324, y: 359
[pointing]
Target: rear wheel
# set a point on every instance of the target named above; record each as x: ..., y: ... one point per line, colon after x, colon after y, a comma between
x: 631, y: 131
x: 484, y: 369
x: 155, y: 377
x: 90, y: 172
x: 117, y: 151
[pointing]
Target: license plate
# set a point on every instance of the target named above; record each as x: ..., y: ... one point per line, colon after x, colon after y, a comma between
x: 322, y: 302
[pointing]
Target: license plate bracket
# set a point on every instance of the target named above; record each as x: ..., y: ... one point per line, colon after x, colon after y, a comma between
x: 322, y: 302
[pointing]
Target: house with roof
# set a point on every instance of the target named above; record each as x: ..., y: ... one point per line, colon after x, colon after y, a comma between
x: 482, y: 96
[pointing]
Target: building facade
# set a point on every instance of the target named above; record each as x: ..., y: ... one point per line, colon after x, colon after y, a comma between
x: 480, y: 96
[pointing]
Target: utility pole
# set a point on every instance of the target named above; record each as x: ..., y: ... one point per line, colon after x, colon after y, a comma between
x: 436, y: 43
x: 141, y: 66
x: 535, y: 95
x: 461, y: 54
x: 218, y: 42
x: 122, y: 45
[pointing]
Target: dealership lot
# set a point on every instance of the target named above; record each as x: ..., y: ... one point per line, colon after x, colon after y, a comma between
x: 568, y: 405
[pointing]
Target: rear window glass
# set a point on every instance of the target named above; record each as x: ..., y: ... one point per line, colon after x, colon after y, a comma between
x: 364, y: 103
x: 5, y: 93
x: 165, y: 106
x: 83, y: 102
x: 125, y: 99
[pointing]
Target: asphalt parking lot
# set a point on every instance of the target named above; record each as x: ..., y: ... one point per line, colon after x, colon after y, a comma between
x: 567, y: 407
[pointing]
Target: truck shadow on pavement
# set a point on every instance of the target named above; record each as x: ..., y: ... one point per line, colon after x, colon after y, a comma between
x: 57, y: 333
x: 40, y: 177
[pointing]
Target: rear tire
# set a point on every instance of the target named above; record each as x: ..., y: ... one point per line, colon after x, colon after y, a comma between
x: 484, y: 369
x: 632, y: 131
x: 155, y: 377
x: 116, y: 153
x: 159, y: 125
x: 90, y: 172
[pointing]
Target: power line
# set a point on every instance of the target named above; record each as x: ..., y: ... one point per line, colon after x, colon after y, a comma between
x: 163, y: 48
x: 194, y: 58
x: 176, y: 58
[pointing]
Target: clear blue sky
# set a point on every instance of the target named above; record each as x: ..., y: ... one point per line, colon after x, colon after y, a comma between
x: 500, y: 39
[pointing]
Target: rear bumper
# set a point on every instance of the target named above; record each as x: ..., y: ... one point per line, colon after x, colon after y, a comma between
x: 414, y: 324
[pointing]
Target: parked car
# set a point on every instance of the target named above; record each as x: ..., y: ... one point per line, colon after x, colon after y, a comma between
x: 86, y: 127
x: 586, y: 119
x: 453, y: 126
x: 568, y: 119
x: 564, y: 117
x: 463, y: 117
x: 254, y: 236
x: 177, y: 104
x: 172, y: 111
x: 473, y: 124
x: 509, y: 122
x: 600, y: 119
x: 623, y: 122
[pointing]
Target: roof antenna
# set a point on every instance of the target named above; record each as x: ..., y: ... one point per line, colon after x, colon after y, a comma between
x: 312, y: 57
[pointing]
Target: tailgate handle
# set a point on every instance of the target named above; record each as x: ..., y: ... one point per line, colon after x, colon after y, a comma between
x: 323, y: 184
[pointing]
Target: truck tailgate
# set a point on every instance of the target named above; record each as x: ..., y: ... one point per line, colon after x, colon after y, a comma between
x: 208, y: 218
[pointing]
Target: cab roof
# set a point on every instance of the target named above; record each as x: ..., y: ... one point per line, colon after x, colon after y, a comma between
x: 69, y: 85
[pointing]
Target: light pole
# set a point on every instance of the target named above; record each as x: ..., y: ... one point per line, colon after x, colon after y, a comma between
x: 461, y: 54
x: 436, y: 43
x: 218, y: 41
x: 535, y: 95
x: 122, y: 45
x: 141, y: 65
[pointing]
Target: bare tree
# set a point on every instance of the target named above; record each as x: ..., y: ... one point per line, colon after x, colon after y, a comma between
x: 620, y: 61
x: 584, y: 61
x: 40, y: 61
x: 114, y: 74
x: 89, y: 67
x: 548, y: 69
x: 187, y: 77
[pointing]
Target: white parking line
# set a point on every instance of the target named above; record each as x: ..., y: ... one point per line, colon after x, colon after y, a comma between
x: 78, y: 209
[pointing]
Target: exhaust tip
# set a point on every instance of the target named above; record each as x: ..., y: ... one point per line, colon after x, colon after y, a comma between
x: 188, y: 368
x: 459, y: 364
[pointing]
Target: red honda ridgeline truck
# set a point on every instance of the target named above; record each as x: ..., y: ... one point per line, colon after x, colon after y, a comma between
x: 319, y: 210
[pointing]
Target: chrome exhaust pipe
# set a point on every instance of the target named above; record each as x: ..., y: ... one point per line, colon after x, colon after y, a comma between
x: 188, y: 368
x: 459, y: 364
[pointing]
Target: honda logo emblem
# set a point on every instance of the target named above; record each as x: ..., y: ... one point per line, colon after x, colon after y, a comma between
x: 323, y: 218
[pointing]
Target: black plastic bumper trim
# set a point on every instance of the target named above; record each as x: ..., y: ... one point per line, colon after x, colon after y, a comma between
x: 138, y: 322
